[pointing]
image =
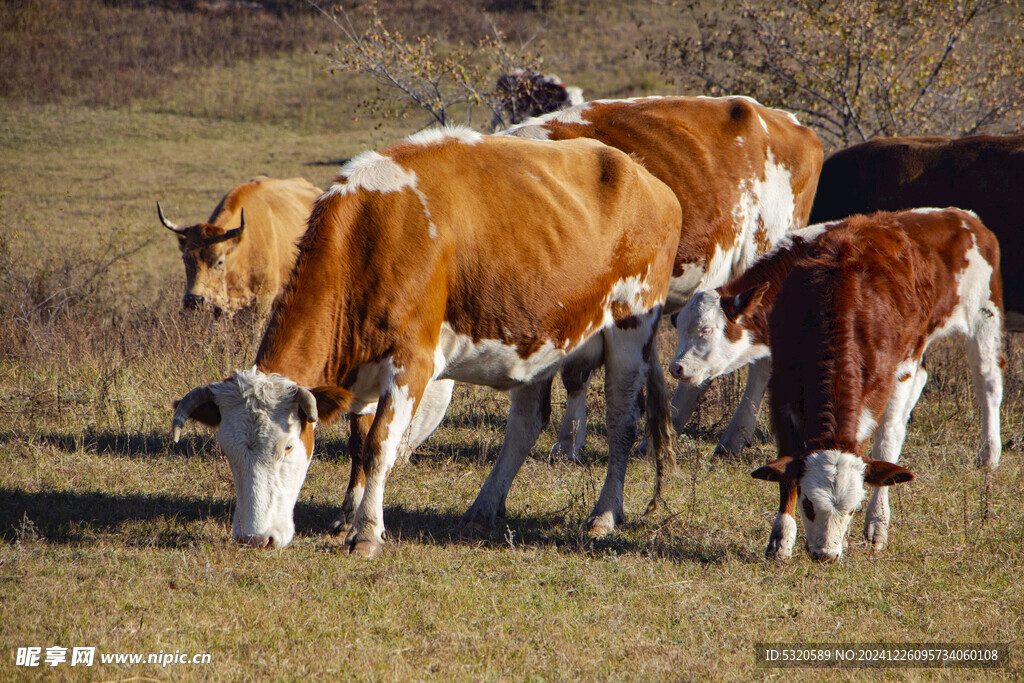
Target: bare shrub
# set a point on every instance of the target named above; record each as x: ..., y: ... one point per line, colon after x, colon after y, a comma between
x: 445, y: 80
x: 856, y: 70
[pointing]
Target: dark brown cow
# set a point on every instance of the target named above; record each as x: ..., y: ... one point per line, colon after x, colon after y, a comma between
x: 243, y: 254
x: 744, y: 175
x: 847, y: 331
x: 981, y: 173
x: 490, y: 260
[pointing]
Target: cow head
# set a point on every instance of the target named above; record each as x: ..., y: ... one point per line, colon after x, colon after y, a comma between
x: 712, y: 338
x: 265, y: 428
x: 831, y: 488
x: 206, y: 250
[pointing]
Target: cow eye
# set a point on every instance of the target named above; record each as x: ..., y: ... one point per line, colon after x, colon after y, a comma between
x: 219, y: 264
x: 289, y: 447
x: 706, y: 331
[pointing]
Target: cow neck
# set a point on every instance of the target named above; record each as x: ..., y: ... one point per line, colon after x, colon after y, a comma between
x: 310, y: 338
x: 827, y: 362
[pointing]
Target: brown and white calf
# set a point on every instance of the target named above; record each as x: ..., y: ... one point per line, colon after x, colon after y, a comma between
x: 243, y: 254
x: 451, y: 256
x: 743, y: 174
x: 847, y: 311
x: 981, y: 173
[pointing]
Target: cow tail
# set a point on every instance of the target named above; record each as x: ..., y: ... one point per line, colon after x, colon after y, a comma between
x: 659, y: 430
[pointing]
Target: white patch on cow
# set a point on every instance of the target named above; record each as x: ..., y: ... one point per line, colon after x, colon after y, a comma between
x: 808, y: 234
x: 574, y: 94
x: 491, y: 362
x: 259, y: 433
x: 572, y: 114
x: 528, y: 130
x: 435, y: 136
x: 763, y: 124
x: 373, y: 172
x: 866, y: 424
x: 833, y: 484
x: 739, y: 140
x: 766, y: 205
x: 703, y: 351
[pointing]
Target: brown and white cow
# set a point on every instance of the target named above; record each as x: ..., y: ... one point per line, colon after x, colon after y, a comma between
x: 489, y: 260
x: 848, y: 310
x: 744, y: 175
x: 243, y: 254
x: 980, y: 173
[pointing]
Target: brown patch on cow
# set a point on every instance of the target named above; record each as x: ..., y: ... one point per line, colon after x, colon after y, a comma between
x: 306, y: 434
x: 623, y: 316
x: 904, y: 377
x: 808, y: 507
x: 761, y: 242
x: 689, y: 144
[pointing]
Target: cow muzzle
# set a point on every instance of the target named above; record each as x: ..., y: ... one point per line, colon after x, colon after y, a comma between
x: 257, y: 541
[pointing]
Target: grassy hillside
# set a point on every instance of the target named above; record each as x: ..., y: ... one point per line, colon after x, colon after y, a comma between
x: 112, y: 537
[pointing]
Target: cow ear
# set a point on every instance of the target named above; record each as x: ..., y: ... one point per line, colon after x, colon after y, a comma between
x: 882, y: 473
x: 743, y: 303
x: 208, y: 413
x: 780, y: 469
x: 331, y: 402
x: 674, y: 319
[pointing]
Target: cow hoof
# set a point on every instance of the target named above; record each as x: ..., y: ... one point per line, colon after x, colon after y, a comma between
x: 470, y: 529
x: 473, y: 524
x: 600, y: 525
x: 367, y: 549
x: 877, y: 535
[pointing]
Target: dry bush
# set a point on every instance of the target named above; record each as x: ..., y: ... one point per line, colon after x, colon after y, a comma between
x: 856, y: 70
x: 444, y: 79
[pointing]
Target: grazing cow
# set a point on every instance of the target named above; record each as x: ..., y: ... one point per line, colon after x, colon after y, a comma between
x: 243, y: 254
x: 980, y: 173
x: 487, y: 260
x: 848, y: 314
x: 744, y: 175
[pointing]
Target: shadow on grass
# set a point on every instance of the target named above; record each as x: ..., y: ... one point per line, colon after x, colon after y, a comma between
x: 169, y: 521
x: 552, y: 530
x: 151, y: 445
x: 72, y: 517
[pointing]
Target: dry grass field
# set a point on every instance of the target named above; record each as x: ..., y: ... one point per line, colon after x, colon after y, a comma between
x: 113, y: 537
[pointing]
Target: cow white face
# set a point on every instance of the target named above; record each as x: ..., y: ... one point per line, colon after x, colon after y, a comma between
x: 831, y: 489
x: 268, y: 441
x: 711, y: 342
x: 266, y: 424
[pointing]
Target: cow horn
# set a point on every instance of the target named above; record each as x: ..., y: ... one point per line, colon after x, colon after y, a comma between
x: 186, y: 405
x: 230, y: 234
x: 163, y: 219
x: 307, y: 404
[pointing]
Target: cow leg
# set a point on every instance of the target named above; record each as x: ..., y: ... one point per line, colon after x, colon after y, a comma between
x: 740, y: 431
x: 624, y: 376
x: 395, y: 410
x: 572, y: 433
x: 985, y: 355
x: 359, y: 426
x: 888, y: 444
x: 429, y: 414
x: 783, y: 536
x: 528, y: 415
